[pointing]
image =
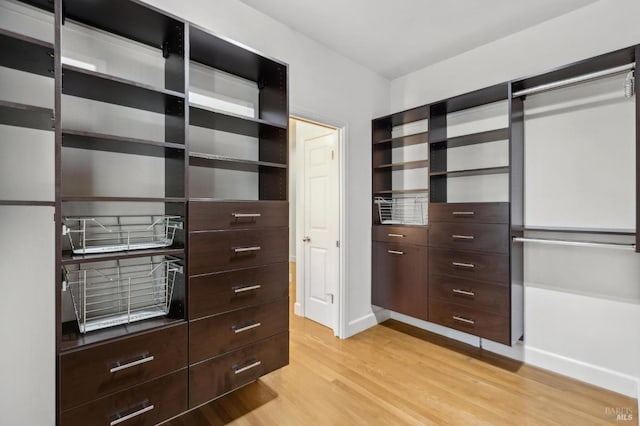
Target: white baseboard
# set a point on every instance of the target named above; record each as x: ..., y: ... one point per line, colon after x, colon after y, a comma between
x: 297, y: 309
x: 359, y: 325
x: 598, y: 376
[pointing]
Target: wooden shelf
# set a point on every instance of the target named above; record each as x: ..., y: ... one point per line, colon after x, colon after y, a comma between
x: 224, y: 121
x: 407, y: 165
x: 27, y: 203
x: 119, y: 91
x: 21, y: 115
x: 26, y: 54
x: 400, y: 141
x: 68, y: 258
x: 570, y: 230
x: 82, y: 198
x: 404, y: 117
x: 198, y: 159
x: 401, y: 191
x: 472, y: 139
x: 102, y: 142
x: 472, y: 172
x: 488, y: 95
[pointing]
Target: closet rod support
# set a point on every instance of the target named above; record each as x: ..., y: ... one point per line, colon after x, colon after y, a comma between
x: 559, y: 242
x: 575, y: 80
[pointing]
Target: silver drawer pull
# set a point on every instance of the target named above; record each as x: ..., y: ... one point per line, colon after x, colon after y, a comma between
x: 143, y: 360
x: 241, y: 215
x: 246, y: 288
x: 395, y: 252
x: 464, y: 320
x: 132, y: 415
x: 463, y: 213
x: 247, y: 367
x: 246, y: 249
x: 463, y: 265
x: 463, y: 292
x: 395, y: 235
x: 463, y: 237
x: 245, y: 328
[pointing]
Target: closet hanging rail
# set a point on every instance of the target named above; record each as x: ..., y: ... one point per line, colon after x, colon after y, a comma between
x: 575, y: 80
x: 597, y: 244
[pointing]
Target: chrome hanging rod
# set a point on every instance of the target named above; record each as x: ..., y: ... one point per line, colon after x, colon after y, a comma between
x: 597, y: 244
x: 575, y: 80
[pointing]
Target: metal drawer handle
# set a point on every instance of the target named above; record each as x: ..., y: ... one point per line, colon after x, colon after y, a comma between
x: 463, y: 265
x: 395, y: 235
x: 246, y: 249
x: 240, y: 215
x: 463, y: 292
x: 247, y: 367
x: 464, y: 213
x: 395, y: 252
x: 132, y: 415
x: 246, y: 288
x: 142, y: 360
x: 463, y: 237
x: 245, y: 328
x: 464, y: 320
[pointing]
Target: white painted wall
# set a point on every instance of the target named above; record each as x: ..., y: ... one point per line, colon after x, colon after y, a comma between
x: 581, y: 305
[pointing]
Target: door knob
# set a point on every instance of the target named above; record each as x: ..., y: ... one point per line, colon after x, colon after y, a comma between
x: 306, y: 239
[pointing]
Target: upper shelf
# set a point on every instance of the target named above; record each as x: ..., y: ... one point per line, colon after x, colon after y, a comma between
x: 216, y: 161
x: 473, y: 172
x: 476, y: 98
x: 26, y: 54
x: 404, y: 165
x: 400, y: 141
x: 111, y: 143
x: 115, y: 90
x: 404, y: 117
x: 21, y: 115
x: 473, y: 138
x: 91, y: 198
x: 228, y: 122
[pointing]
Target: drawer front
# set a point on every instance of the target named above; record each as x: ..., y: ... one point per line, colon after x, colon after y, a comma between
x: 470, y: 236
x: 399, y: 283
x: 217, y: 376
x: 473, y: 294
x: 218, y: 334
x: 225, y: 291
x: 469, y: 212
x: 146, y: 404
x: 91, y: 373
x: 470, y: 265
x: 400, y: 234
x: 216, y: 215
x: 469, y: 320
x: 223, y: 250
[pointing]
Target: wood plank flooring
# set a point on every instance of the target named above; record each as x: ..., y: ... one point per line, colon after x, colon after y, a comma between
x: 395, y: 374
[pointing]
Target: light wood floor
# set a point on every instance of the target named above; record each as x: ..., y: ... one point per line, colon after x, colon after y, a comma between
x: 395, y: 374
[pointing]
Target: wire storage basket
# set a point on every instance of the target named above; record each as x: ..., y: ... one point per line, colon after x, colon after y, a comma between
x: 121, y: 294
x: 402, y: 210
x: 103, y: 234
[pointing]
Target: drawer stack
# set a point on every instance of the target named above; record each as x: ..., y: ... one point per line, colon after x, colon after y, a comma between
x: 238, y: 294
x: 469, y: 268
x: 399, y: 280
x: 143, y: 377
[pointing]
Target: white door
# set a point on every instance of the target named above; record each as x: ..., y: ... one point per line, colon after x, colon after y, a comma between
x: 320, y: 238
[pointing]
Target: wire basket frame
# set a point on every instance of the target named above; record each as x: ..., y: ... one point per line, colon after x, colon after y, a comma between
x: 104, y: 234
x: 121, y: 294
x: 402, y: 210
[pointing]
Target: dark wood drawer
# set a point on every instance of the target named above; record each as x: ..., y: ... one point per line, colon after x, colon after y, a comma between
x: 217, y: 215
x: 400, y: 234
x: 223, y: 250
x: 222, y: 333
x: 469, y: 320
x: 469, y: 265
x: 146, y: 404
x: 473, y: 294
x: 225, y: 291
x: 217, y: 376
x: 470, y: 236
x: 399, y: 278
x: 87, y: 374
x: 469, y: 212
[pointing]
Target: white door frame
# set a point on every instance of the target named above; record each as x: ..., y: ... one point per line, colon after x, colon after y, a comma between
x: 341, y: 302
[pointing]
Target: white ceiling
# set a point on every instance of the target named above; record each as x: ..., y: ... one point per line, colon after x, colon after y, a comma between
x: 397, y: 37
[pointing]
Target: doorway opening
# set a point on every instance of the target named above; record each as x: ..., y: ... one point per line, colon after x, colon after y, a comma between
x: 315, y: 212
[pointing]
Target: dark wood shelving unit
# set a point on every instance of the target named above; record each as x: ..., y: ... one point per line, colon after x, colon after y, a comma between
x: 29, y: 116
x: 472, y: 172
x: 401, y: 141
x: 91, y: 198
x: 227, y: 122
x: 111, y: 143
x: 474, y: 138
x: 407, y: 165
x: 25, y: 53
x: 69, y: 258
x: 206, y: 160
x: 27, y: 203
x: 402, y: 191
x: 563, y: 230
